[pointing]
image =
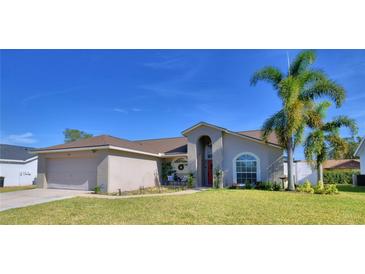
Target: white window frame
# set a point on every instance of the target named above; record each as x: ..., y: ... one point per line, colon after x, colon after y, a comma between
x: 258, y: 166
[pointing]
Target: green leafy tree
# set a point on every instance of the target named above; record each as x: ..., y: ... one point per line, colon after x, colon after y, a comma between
x: 75, y: 134
x: 352, y: 145
x: 325, y: 137
x: 297, y: 90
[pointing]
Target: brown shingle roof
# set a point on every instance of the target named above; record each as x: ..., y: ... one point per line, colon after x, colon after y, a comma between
x: 164, y: 145
x: 167, y: 145
x: 257, y: 135
x: 342, y: 164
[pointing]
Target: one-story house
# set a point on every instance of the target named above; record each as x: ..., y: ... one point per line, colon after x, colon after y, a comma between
x: 119, y: 164
x: 18, y: 166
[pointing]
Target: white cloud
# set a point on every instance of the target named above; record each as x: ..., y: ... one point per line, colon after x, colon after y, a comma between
x: 121, y: 110
x: 126, y: 111
x: 20, y: 139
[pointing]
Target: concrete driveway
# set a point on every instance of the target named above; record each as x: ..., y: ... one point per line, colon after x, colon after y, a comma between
x: 24, y: 198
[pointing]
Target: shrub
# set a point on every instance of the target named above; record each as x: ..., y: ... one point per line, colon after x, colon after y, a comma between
x: 248, y: 185
x: 339, y: 176
x: 330, y: 189
x: 277, y: 186
x: 218, y: 174
x: 306, y: 187
x: 97, y: 189
x: 319, y: 188
x: 259, y: 185
x: 191, y: 181
x: 269, y: 186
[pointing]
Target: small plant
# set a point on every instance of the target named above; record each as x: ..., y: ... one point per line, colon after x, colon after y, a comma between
x: 259, y: 185
x: 330, y: 189
x: 191, y: 180
x: 306, y: 187
x: 97, y: 189
x: 248, y: 185
x: 319, y: 188
x: 218, y: 174
x: 268, y: 186
x: 277, y: 186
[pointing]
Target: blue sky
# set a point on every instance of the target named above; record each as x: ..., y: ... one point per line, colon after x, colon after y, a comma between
x: 141, y: 94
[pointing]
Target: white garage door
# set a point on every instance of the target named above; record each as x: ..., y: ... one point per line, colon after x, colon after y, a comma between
x: 72, y: 173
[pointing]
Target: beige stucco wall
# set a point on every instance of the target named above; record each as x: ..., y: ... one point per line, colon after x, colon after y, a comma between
x: 129, y: 171
x: 234, y: 146
x: 225, y: 148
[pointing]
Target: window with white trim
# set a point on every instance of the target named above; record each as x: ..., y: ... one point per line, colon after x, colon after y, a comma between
x: 246, y: 169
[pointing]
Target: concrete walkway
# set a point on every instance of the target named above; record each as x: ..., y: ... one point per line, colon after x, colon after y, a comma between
x: 24, y: 198
x: 183, y: 192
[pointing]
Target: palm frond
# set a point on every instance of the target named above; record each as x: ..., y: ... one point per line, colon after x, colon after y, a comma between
x: 312, y: 75
x: 324, y: 88
x: 302, y: 61
x: 276, y: 123
x: 339, y: 146
x: 341, y: 121
x: 268, y: 74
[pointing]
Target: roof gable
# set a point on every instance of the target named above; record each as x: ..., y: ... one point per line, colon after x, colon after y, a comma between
x: 255, y: 135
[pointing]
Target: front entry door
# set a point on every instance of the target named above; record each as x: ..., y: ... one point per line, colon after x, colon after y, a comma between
x: 210, y: 173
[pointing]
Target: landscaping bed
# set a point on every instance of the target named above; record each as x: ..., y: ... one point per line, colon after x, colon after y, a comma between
x: 143, y: 191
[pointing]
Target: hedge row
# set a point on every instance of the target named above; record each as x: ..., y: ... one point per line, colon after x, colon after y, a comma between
x: 339, y: 176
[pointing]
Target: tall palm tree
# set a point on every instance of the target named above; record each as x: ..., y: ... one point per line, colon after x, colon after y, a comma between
x: 297, y: 91
x: 325, y: 137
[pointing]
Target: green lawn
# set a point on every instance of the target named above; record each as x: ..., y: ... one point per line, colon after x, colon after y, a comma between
x: 16, y: 188
x: 208, y: 207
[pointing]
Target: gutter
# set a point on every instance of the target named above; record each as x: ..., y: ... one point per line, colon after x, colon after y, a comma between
x: 19, y: 161
x: 158, y: 155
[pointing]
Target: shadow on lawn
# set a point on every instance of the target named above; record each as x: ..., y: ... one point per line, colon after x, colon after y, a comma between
x: 350, y: 188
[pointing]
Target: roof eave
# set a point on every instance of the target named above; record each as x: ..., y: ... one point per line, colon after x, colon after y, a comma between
x: 357, y: 151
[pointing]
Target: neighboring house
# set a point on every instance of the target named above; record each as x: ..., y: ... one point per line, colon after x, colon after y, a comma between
x: 115, y: 163
x: 304, y: 170
x: 18, y: 166
x: 360, y: 152
x: 341, y: 164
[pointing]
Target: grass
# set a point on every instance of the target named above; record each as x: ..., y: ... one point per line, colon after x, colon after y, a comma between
x: 16, y: 188
x: 350, y: 188
x: 207, y: 207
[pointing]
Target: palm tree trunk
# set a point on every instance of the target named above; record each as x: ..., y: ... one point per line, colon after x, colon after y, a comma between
x: 319, y: 172
x: 290, y: 153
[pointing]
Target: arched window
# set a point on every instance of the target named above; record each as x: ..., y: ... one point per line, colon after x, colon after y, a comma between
x: 246, y: 169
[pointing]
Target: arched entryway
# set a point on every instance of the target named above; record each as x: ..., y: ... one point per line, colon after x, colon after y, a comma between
x: 205, y: 161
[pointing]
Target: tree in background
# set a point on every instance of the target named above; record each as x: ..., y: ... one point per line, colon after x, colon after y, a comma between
x: 75, y: 134
x: 325, y: 137
x: 352, y: 144
x: 297, y: 90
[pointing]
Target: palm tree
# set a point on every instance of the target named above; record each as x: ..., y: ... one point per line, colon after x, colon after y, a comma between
x: 297, y: 91
x: 325, y: 137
